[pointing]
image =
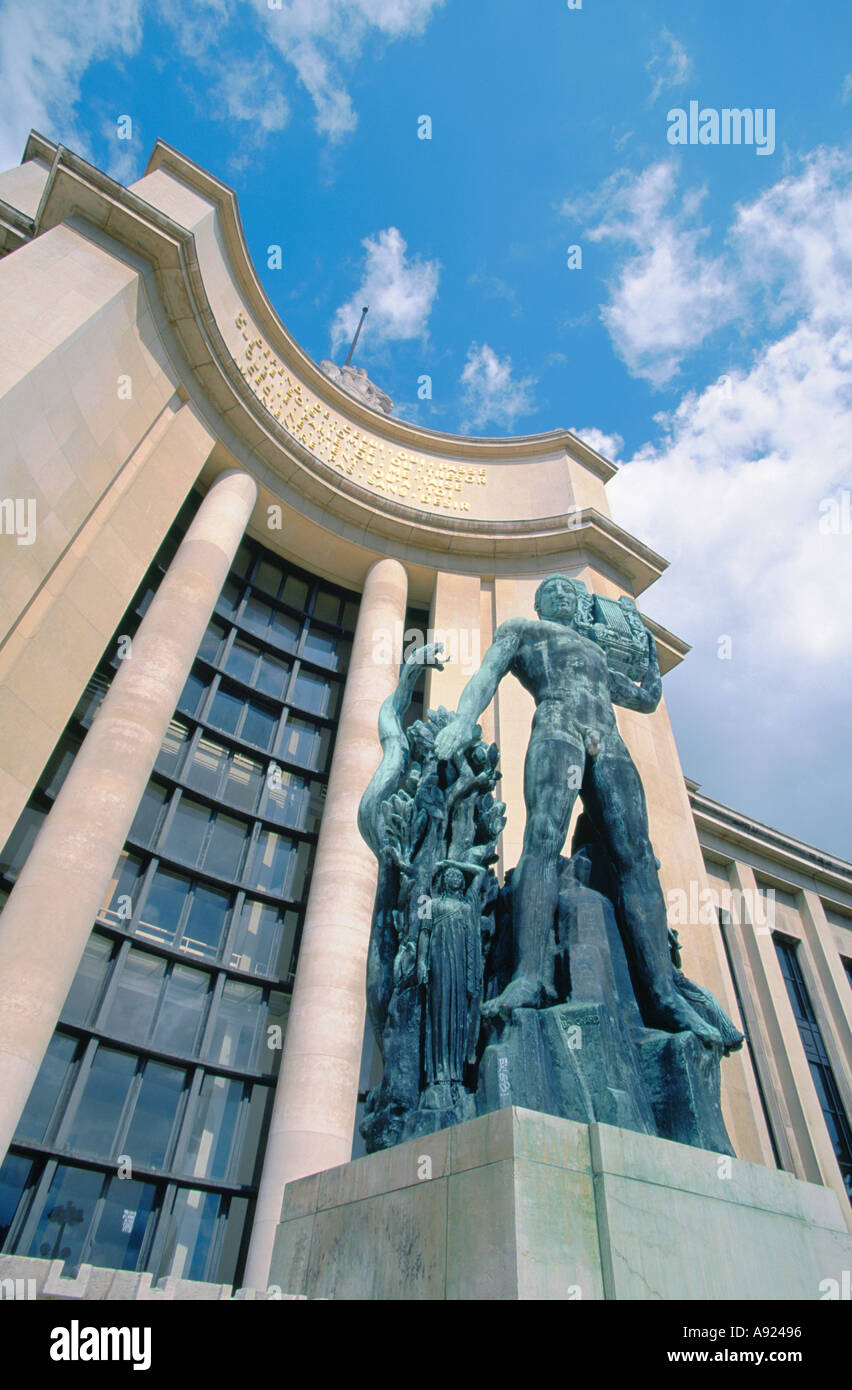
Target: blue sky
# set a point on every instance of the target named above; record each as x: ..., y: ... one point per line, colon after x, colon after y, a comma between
x: 704, y: 343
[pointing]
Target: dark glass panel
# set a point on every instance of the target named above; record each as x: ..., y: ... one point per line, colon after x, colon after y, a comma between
x: 242, y: 660
x: 295, y: 592
x: 67, y: 1214
x: 147, y: 1139
x: 181, y: 1018
x: 274, y: 1028
x: 327, y: 606
x: 212, y: 1135
x: 245, y: 779
x: 211, y: 642
x: 131, y: 1013
x: 14, y: 1173
x: 350, y: 614
x: 58, y: 767
x: 306, y: 744
x: 273, y: 677
x: 205, y: 923
x: 256, y: 615
x: 188, y: 830
x: 146, y: 822
x: 206, y: 766
x: 284, y: 631
x: 268, y: 576
x: 238, y: 1017
x: 87, y: 985
x: 248, y: 1167
x: 161, y: 913
x: 192, y: 694
x: 191, y: 1227
x: 121, y: 895
x: 225, y: 711
x: 171, y: 752
x: 47, y: 1087
x: 123, y: 1223
x: 93, y: 1129
x: 256, y: 943
x: 259, y: 726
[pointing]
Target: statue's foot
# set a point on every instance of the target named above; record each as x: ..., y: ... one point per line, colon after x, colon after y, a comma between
x: 521, y: 993
x: 673, y: 1014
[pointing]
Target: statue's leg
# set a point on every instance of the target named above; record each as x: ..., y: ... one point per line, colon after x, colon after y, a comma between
x: 552, y: 774
x: 614, y: 799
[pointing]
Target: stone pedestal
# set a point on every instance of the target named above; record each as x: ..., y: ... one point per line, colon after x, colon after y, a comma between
x: 521, y: 1205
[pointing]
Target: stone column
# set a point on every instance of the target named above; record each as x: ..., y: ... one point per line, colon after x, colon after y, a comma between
x: 314, y: 1110
x: 46, y: 922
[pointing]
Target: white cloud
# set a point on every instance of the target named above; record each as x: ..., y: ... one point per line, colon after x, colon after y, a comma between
x: 46, y: 49
x: 400, y: 291
x: 734, y: 496
x: 491, y: 394
x: 669, y: 66
x: 669, y: 295
x: 610, y: 445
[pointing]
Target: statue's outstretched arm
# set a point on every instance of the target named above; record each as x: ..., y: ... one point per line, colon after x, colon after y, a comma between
x: 643, y: 697
x: 394, y: 764
x: 480, y: 690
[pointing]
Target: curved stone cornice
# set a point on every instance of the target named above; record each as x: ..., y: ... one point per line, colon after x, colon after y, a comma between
x: 75, y: 188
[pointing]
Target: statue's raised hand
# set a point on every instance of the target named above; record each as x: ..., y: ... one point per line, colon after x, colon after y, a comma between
x: 427, y: 656
x: 454, y: 738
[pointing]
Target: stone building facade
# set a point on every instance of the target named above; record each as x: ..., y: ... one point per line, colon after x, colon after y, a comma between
x: 215, y: 549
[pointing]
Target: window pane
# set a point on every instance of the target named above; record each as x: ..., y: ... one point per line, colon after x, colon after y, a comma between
x: 191, y: 1227
x: 256, y: 615
x: 323, y: 647
x: 272, y: 677
x: 131, y: 1013
x: 242, y: 659
x: 216, y: 1114
x: 245, y: 778
x: 284, y: 631
x: 292, y: 800
x: 211, y: 642
x: 274, y: 1028
x: 188, y: 830
x: 47, y: 1087
x: 94, y: 1126
x: 14, y: 1172
x: 123, y: 1223
x: 312, y: 692
x: 256, y: 941
x: 121, y: 895
x: 327, y: 606
x: 87, y: 985
x: 206, y: 766
x: 270, y: 863
x: 182, y: 1015
x: 350, y: 614
x: 225, y: 850
x: 259, y: 726
x: 192, y: 694
x: 67, y: 1214
x: 225, y: 711
x: 295, y: 592
x: 237, y: 1020
x: 243, y: 560
x: 147, y: 818
x: 248, y: 1168
x: 171, y: 752
x: 229, y: 599
x: 92, y: 697
x: 268, y: 576
x: 205, y: 924
x: 153, y: 1120
x: 306, y: 744
x: 160, y: 916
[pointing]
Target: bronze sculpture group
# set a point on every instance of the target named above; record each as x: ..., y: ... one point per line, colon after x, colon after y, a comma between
x: 560, y: 991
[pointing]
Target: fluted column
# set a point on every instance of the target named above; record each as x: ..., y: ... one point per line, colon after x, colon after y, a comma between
x: 314, y: 1110
x: 46, y: 922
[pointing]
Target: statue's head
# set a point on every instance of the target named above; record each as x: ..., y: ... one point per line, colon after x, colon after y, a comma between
x: 556, y: 599
x: 452, y: 880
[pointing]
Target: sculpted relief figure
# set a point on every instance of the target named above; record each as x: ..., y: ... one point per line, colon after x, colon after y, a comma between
x: 575, y: 749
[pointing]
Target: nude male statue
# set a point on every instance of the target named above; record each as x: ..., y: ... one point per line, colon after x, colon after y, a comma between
x: 575, y: 747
